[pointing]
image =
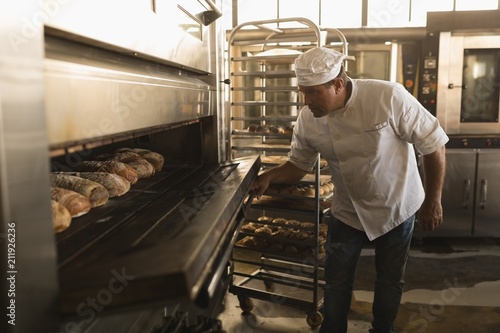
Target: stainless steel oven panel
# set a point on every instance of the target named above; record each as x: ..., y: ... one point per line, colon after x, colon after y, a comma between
x: 451, y: 60
x: 137, y: 26
x: 28, y: 274
x: 93, y: 93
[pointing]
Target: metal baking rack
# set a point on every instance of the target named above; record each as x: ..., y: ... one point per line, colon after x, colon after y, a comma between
x: 284, y: 264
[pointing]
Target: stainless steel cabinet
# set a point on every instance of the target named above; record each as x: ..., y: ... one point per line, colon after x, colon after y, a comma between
x: 458, y: 193
x: 471, y: 194
x: 487, y: 199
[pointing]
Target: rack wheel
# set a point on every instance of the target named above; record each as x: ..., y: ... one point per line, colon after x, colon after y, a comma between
x: 315, y: 319
x: 246, y: 304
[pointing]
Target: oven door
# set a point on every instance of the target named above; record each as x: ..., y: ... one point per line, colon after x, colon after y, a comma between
x: 469, y: 84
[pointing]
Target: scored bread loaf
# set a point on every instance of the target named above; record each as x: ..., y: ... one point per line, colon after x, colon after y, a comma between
x: 116, y: 167
x: 94, y: 192
x: 118, y: 156
x: 156, y: 159
x: 74, y: 202
x: 116, y: 185
x: 61, y: 217
x: 142, y: 167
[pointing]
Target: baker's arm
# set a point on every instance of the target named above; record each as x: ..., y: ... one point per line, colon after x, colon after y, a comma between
x: 431, y: 212
x: 285, y: 173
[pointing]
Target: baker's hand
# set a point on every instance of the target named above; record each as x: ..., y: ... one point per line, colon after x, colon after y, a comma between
x: 430, y: 215
x: 260, y: 185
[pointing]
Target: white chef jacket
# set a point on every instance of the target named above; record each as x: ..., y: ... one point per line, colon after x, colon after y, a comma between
x: 369, y: 149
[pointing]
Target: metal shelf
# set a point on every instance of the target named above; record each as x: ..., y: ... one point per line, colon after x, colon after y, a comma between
x: 270, y: 75
x: 266, y: 118
x: 284, y: 58
x: 258, y: 134
x: 264, y: 148
x: 264, y: 89
x: 266, y: 103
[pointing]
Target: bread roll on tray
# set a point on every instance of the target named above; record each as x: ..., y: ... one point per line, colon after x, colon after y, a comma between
x: 94, y: 192
x: 74, y: 202
x: 116, y: 167
x: 61, y: 217
x: 116, y: 185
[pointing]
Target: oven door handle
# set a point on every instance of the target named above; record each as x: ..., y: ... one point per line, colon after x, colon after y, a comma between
x: 207, y: 293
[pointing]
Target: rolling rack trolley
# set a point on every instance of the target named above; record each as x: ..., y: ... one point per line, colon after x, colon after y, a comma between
x: 281, y: 243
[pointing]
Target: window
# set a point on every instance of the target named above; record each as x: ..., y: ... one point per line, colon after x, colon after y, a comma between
x: 476, y: 5
x: 348, y: 14
x: 298, y: 8
x: 419, y: 9
x: 341, y: 13
x: 388, y: 13
x: 257, y: 10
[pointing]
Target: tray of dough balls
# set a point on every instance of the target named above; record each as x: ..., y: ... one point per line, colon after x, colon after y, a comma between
x: 283, y: 237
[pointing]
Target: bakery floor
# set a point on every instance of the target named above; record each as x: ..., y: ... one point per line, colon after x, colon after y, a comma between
x: 452, y: 285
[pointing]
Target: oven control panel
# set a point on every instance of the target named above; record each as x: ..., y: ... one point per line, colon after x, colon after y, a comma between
x: 427, y: 93
x: 474, y: 142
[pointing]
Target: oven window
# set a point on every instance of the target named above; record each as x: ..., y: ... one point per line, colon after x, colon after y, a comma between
x: 480, y: 85
x: 370, y: 65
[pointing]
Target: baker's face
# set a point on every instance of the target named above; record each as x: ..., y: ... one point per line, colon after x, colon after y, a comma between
x: 320, y: 99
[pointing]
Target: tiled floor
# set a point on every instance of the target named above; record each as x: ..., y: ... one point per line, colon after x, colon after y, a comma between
x: 452, y: 285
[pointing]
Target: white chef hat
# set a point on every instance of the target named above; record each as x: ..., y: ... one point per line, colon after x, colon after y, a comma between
x: 318, y: 65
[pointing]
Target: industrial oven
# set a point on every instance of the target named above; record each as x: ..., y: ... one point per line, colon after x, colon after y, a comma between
x: 83, y: 78
x: 460, y: 84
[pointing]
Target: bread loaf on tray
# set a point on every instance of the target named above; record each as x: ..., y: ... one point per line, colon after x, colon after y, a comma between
x: 61, y: 217
x: 116, y: 185
x: 94, y: 192
x: 142, y: 167
x: 74, y: 202
x: 156, y: 159
x: 116, y: 167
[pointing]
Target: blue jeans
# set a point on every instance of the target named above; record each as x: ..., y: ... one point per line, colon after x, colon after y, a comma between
x: 344, y: 246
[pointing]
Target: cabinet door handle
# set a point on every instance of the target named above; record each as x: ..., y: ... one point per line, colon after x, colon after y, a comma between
x: 465, y: 203
x: 484, y: 191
